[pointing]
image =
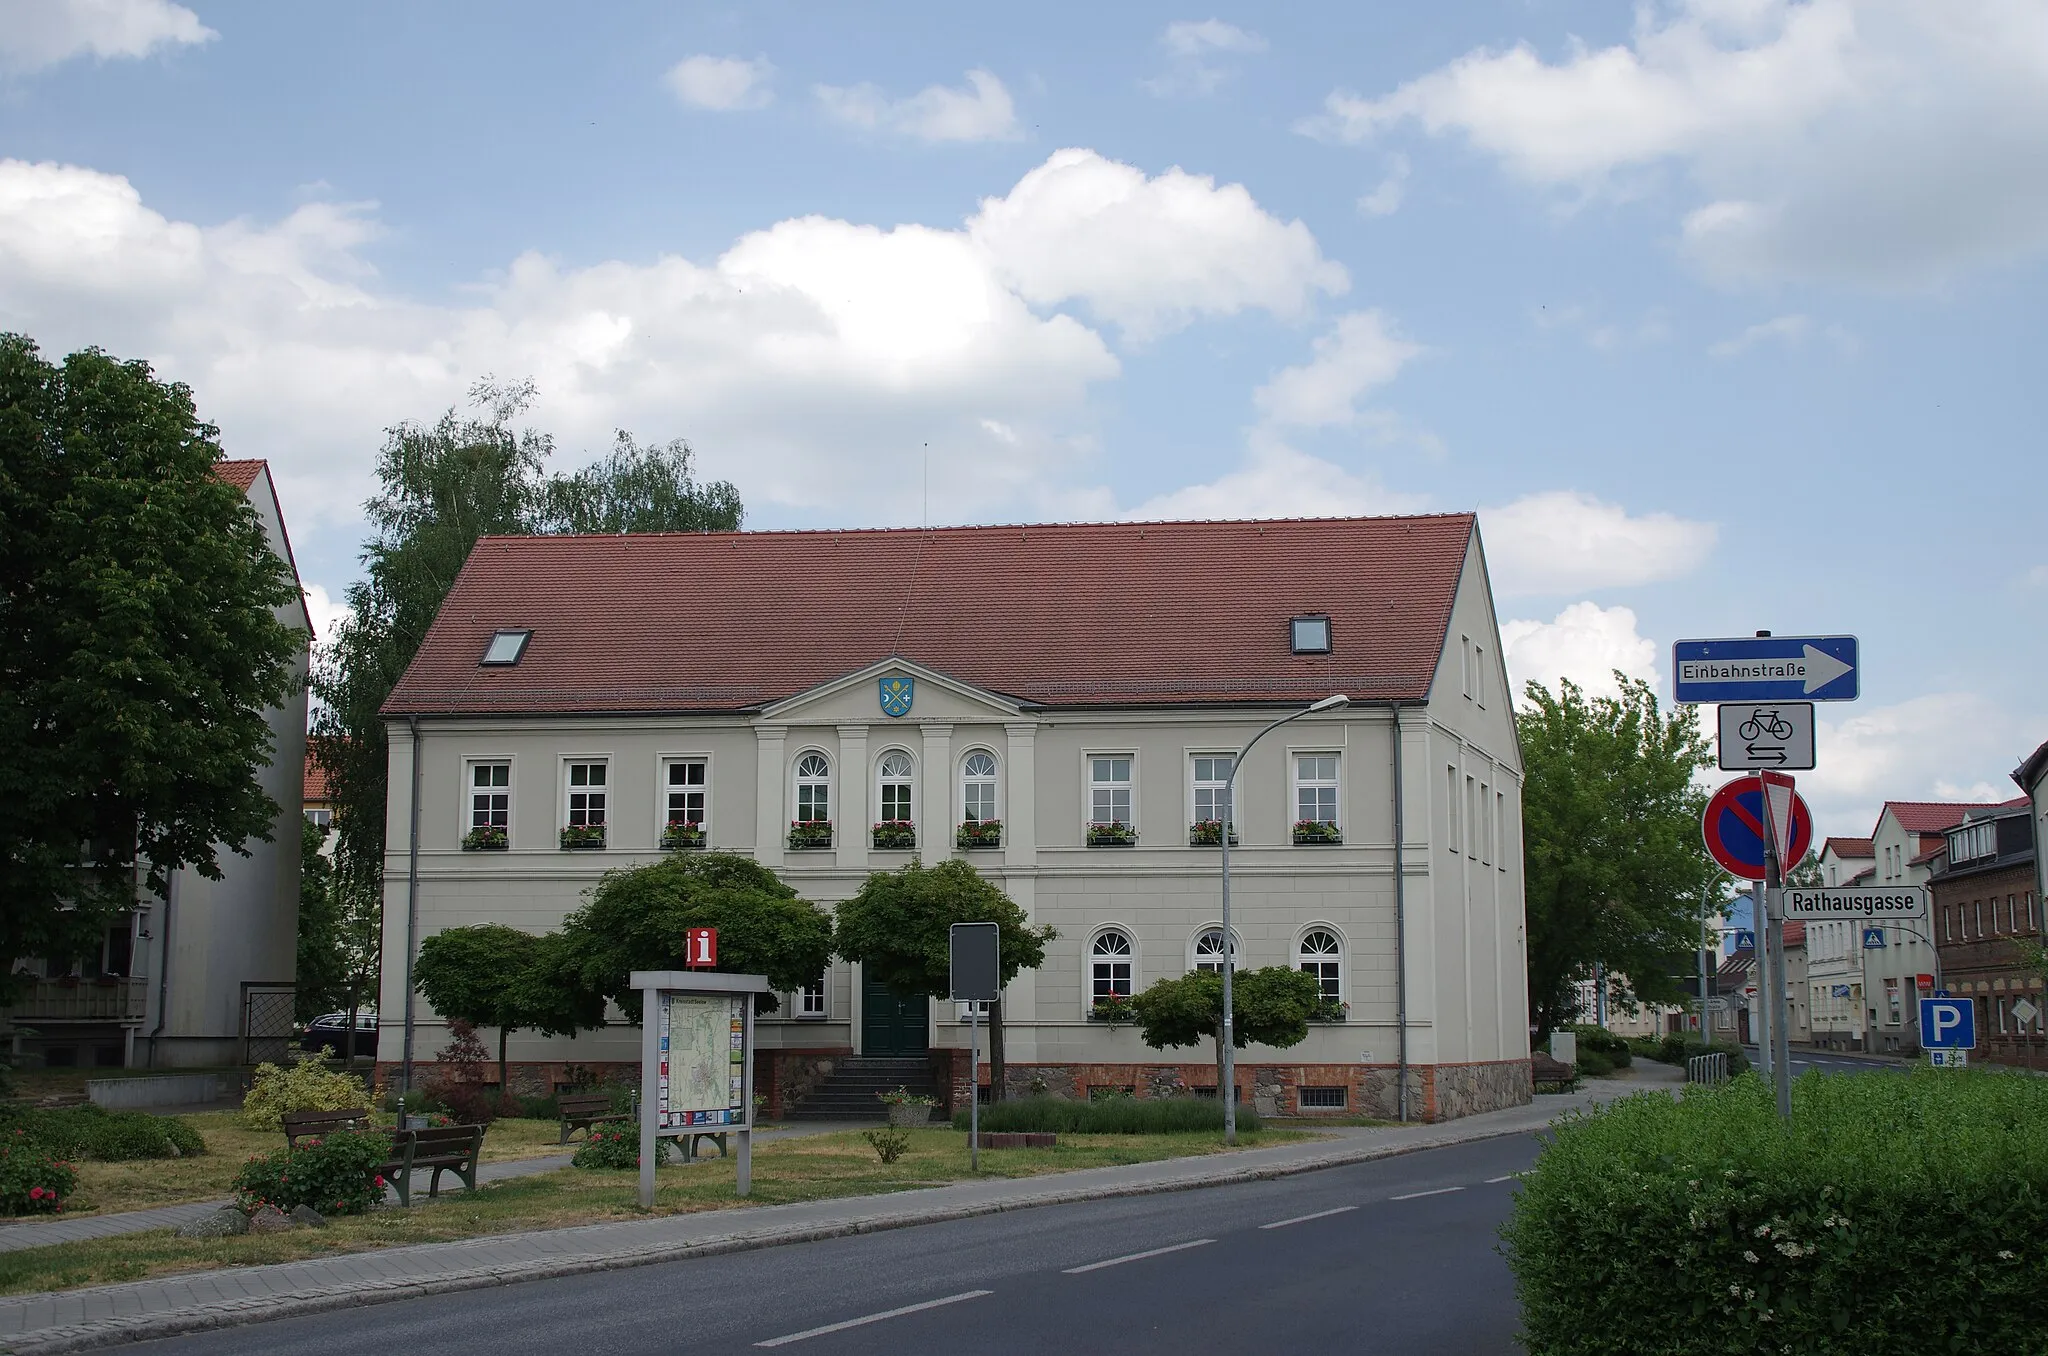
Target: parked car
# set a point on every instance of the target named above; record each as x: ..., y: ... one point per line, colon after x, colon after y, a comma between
x: 328, y: 1033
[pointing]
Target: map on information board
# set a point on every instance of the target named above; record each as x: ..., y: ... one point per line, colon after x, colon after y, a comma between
x: 703, y: 1075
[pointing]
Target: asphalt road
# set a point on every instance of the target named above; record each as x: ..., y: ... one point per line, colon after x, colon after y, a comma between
x: 1803, y: 1060
x: 1392, y: 1256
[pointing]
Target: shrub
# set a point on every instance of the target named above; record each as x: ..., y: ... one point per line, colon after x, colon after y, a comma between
x: 887, y: 1144
x: 335, y: 1174
x: 33, y: 1181
x: 1110, y: 1116
x: 1593, y: 1063
x: 1605, y: 1042
x: 302, y: 1087
x: 107, y: 1136
x: 469, y: 1104
x: 1762, y: 1238
x: 1677, y: 1048
x: 616, y: 1146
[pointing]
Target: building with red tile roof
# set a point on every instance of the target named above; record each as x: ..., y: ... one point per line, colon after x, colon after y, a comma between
x: 1057, y: 704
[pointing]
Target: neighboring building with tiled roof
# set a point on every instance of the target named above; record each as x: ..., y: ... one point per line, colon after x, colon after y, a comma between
x: 1059, y: 705
x: 1842, y: 859
x: 2032, y: 778
x: 1987, y: 912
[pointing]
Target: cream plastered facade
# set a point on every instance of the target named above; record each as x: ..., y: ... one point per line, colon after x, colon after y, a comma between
x: 1461, y: 854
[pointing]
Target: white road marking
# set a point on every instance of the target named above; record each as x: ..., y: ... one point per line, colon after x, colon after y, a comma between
x: 1418, y: 1195
x: 1509, y: 1178
x: 1136, y: 1257
x: 1303, y: 1219
x: 787, y: 1338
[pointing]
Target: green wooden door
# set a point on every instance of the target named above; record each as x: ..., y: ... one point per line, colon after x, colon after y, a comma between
x: 890, y: 1024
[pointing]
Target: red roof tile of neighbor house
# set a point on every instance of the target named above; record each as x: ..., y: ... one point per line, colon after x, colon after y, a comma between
x: 1847, y: 849
x: 1090, y: 614
x: 240, y: 474
x: 1795, y: 935
x: 1931, y: 816
x: 316, y: 779
x: 1929, y: 854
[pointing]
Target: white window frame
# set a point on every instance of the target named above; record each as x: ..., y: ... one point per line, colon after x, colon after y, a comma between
x: 803, y: 1009
x: 466, y: 819
x: 797, y: 782
x: 1486, y: 838
x: 1500, y: 832
x: 1194, y: 810
x: 1088, y: 785
x: 1194, y: 941
x: 1302, y: 956
x: 662, y: 763
x: 1297, y: 752
x: 1090, y: 959
x: 569, y: 760
x: 908, y: 781
x: 1479, y: 676
x: 994, y: 780
x: 1471, y: 817
x: 1451, y: 803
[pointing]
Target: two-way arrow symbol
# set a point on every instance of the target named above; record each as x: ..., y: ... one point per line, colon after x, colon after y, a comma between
x: 1767, y: 753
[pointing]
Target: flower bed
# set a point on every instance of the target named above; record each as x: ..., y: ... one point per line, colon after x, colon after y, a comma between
x: 335, y: 1175
x: 484, y: 840
x: 613, y: 1147
x: 1114, y: 834
x: 1209, y: 833
x: 33, y: 1181
x: 580, y: 837
x: 681, y: 837
x: 810, y: 833
x: 1314, y: 832
x: 895, y: 835
x: 983, y: 833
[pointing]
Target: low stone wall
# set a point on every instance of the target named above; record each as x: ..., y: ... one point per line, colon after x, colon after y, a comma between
x: 532, y: 1079
x: 786, y: 1077
x: 129, y: 1094
x: 1468, y: 1089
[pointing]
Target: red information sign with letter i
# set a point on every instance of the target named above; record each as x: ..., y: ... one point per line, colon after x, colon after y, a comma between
x: 1737, y: 823
x: 700, y: 948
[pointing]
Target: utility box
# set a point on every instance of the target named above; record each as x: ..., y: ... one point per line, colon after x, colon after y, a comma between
x: 1564, y: 1047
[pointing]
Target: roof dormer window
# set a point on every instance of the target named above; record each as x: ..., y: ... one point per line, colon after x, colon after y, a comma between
x: 1310, y: 635
x: 505, y: 648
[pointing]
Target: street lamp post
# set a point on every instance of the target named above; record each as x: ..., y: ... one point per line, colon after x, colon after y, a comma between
x: 1228, y: 1092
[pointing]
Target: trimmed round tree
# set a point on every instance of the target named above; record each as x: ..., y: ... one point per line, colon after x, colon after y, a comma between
x: 1270, y: 1006
x: 493, y: 975
x: 898, y: 927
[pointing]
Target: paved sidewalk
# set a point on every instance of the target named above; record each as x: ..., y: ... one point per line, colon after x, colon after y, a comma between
x: 107, y: 1315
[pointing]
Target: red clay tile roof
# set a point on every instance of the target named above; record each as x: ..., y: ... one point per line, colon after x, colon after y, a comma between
x: 316, y: 779
x: 1930, y: 853
x: 240, y: 474
x: 1847, y: 848
x: 1931, y: 816
x: 1095, y: 614
x: 1795, y: 935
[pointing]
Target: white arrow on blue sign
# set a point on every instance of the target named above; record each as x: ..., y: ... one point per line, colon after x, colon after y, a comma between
x: 1766, y: 668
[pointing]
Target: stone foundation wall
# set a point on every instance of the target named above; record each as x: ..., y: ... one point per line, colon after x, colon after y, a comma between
x: 786, y: 1077
x: 1468, y: 1089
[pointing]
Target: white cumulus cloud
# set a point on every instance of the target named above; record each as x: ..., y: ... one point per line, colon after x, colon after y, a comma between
x: 327, y: 613
x: 1586, y: 643
x: 981, y: 112
x: 38, y: 33
x: 1359, y: 353
x: 1278, y: 481
x: 1386, y: 198
x: 1149, y: 254
x: 1885, y: 142
x: 1562, y: 541
x: 1191, y: 47
x: 1951, y: 746
x: 722, y: 84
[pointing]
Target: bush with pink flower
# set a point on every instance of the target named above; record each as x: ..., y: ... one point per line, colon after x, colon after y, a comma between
x: 336, y: 1174
x: 33, y: 1181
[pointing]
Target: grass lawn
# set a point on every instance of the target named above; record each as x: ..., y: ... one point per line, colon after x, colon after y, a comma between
x: 806, y: 1169
x: 106, y: 1188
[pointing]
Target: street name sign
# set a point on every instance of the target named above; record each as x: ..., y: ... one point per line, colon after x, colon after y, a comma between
x: 1766, y: 669
x: 1897, y: 901
x: 1734, y: 826
x: 1948, y: 1024
x: 1777, y: 736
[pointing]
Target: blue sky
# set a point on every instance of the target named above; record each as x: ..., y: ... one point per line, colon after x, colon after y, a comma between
x: 1726, y: 314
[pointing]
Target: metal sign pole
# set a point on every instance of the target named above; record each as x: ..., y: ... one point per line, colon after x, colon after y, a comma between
x: 744, y: 1170
x: 973, y: 1087
x: 1764, y: 1046
x: 1774, y: 907
x: 653, y: 1005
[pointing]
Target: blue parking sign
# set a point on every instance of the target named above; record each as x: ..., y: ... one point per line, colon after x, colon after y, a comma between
x: 1948, y: 1024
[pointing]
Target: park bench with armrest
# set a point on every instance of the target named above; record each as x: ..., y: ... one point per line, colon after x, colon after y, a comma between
x: 585, y: 1111
x: 300, y: 1125
x: 447, y: 1148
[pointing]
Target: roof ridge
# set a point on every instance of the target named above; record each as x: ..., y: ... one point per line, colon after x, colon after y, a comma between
x: 1143, y: 524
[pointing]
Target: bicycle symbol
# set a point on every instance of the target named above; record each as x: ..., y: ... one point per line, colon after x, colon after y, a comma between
x: 1766, y: 723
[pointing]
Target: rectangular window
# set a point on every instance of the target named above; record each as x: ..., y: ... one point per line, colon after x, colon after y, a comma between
x: 1500, y: 820
x: 490, y: 796
x: 1109, y: 789
x: 1321, y: 1099
x: 1471, y: 818
x: 685, y: 784
x: 2001, y: 1016
x: 586, y: 795
x: 810, y: 1000
x: 1465, y: 666
x: 1978, y: 909
x: 1948, y: 922
x: 1893, y: 1010
x: 1212, y: 775
x: 1485, y: 839
x: 1315, y: 788
x: 322, y: 818
x: 1479, y: 674
x: 1451, y: 801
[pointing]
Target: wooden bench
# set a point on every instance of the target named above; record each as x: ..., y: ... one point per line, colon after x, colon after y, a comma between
x: 585, y: 1111
x: 300, y: 1125
x: 690, y: 1142
x: 447, y: 1148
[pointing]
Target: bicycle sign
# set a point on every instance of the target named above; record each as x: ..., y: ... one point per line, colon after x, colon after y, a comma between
x: 1773, y: 736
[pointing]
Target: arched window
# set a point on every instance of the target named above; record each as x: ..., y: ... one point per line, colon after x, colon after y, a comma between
x: 1109, y: 965
x: 978, y: 787
x: 1322, y: 955
x: 813, y: 788
x: 1209, y: 950
x: 895, y: 779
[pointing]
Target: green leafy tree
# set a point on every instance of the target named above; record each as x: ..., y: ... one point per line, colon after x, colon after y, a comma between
x: 140, y: 648
x: 494, y: 975
x: 1270, y: 1006
x: 322, y: 973
x: 1615, y: 865
x: 440, y: 487
x: 637, y: 918
x: 1807, y: 874
x: 898, y: 927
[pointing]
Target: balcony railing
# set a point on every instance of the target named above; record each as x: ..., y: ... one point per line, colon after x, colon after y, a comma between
x: 113, y: 999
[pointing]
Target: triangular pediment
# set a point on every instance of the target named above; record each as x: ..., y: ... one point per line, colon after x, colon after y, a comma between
x: 923, y: 695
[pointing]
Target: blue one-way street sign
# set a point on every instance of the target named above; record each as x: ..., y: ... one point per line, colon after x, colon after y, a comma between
x: 1948, y: 1024
x: 1766, y: 668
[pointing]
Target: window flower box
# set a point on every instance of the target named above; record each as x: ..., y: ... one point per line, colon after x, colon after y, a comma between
x: 1116, y: 833
x: 1209, y: 833
x: 582, y: 837
x: 1114, y: 1009
x: 982, y: 833
x: 484, y: 840
x: 682, y: 837
x: 895, y: 835
x: 1316, y: 832
x: 806, y: 834
x: 1330, y: 1010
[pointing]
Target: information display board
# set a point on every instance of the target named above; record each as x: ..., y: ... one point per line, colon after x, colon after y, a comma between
x: 703, y: 1074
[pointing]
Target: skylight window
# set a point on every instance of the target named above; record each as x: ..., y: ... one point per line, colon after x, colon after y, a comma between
x: 1310, y: 635
x: 506, y: 647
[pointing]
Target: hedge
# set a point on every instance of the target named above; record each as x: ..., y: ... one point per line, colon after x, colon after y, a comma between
x: 1110, y: 1116
x: 93, y: 1132
x: 1900, y: 1213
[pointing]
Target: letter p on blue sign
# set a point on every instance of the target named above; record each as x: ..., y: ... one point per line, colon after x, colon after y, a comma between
x: 1948, y: 1024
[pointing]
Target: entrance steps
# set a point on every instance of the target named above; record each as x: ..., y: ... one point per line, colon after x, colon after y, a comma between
x: 851, y: 1092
